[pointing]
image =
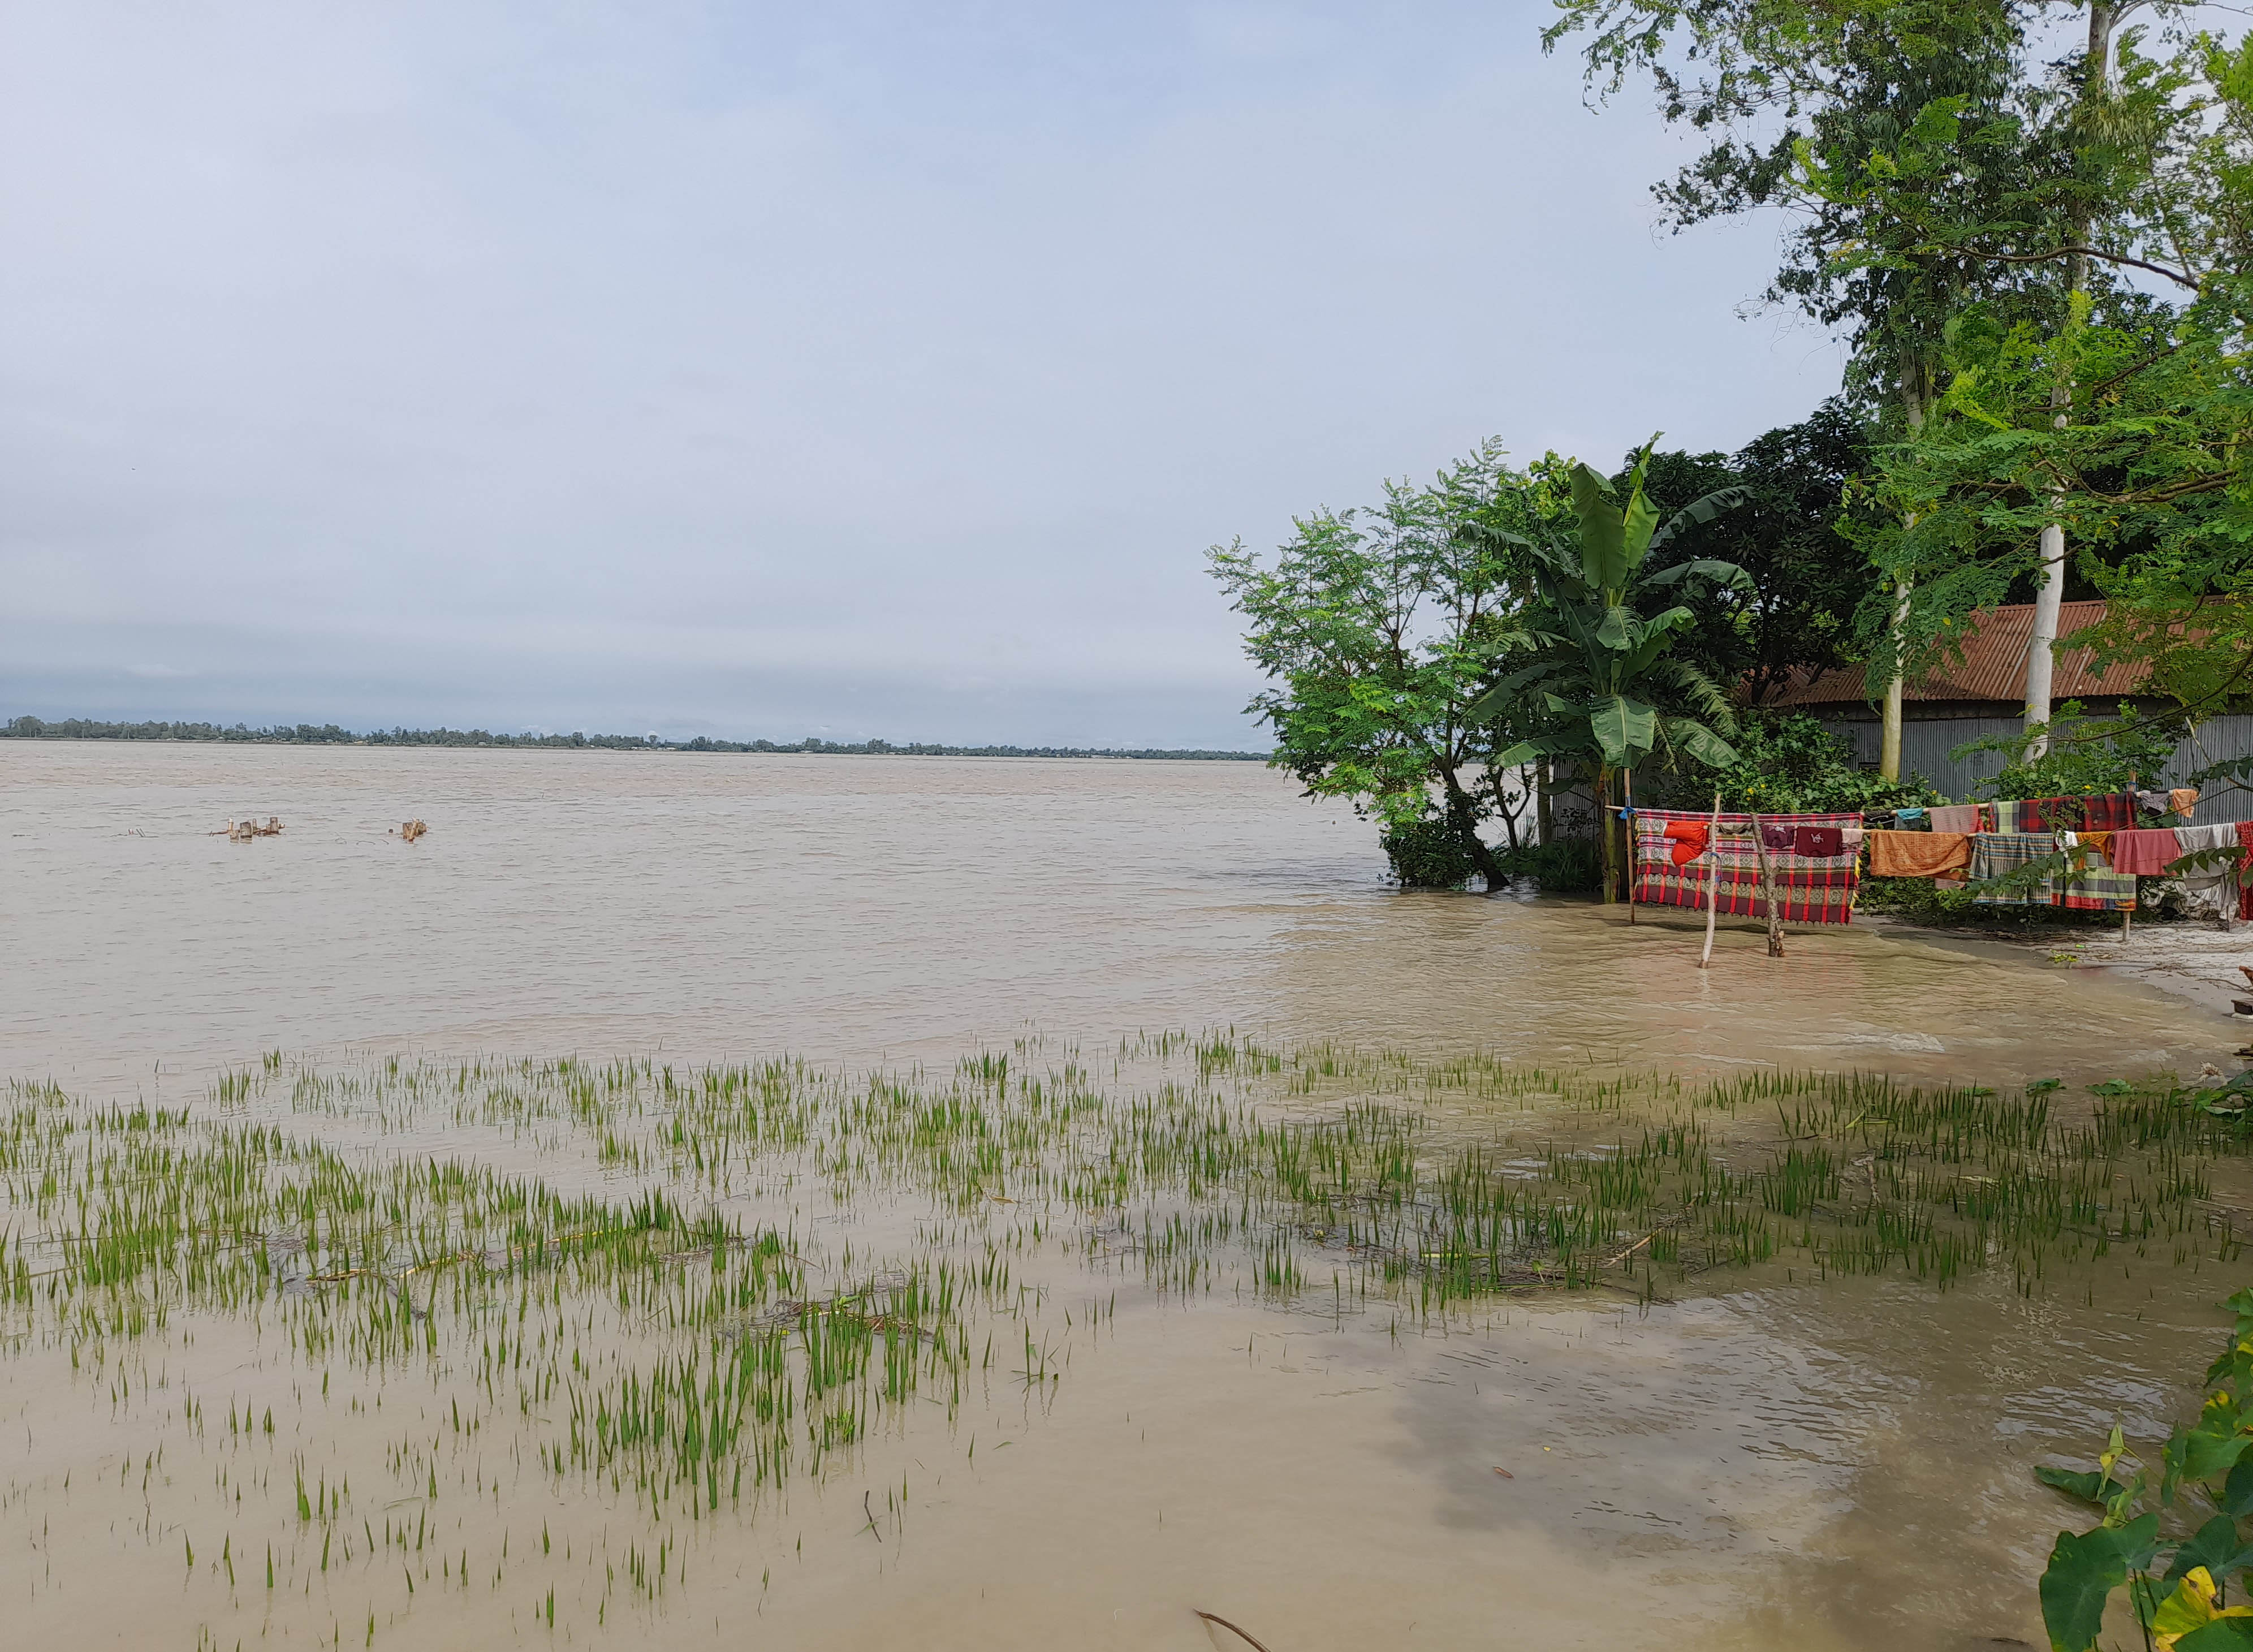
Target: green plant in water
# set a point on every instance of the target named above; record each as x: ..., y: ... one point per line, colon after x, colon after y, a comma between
x: 2176, y: 1586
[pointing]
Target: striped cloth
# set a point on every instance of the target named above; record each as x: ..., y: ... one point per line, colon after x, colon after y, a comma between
x: 1809, y: 888
x: 1997, y: 855
x: 2088, y: 885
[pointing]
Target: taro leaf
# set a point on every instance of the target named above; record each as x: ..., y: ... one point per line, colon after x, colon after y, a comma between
x: 2084, y: 1568
x: 2216, y: 1548
x: 2089, y: 1485
x: 2231, y: 1631
x: 2190, y: 1606
x: 2206, y: 1455
x: 2238, y: 1491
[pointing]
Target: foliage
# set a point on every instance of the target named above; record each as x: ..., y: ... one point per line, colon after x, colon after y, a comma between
x: 1603, y: 690
x: 1426, y: 853
x: 1808, y: 576
x: 2177, y: 1585
x: 1377, y: 626
x: 1569, y: 866
x: 2082, y: 759
x: 1790, y: 763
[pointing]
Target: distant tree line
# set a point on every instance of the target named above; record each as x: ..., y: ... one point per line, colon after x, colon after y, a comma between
x: 329, y: 733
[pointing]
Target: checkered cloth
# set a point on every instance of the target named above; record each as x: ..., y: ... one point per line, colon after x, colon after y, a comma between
x: 2088, y: 885
x: 1996, y: 855
x: 1809, y: 888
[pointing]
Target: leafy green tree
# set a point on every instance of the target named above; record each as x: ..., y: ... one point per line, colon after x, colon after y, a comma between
x: 1807, y: 575
x: 1377, y: 627
x: 1603, y: 688
x: 1930, y: 163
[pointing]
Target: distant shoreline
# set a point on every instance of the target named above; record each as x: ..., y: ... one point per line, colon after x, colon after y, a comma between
x: 306, y: 733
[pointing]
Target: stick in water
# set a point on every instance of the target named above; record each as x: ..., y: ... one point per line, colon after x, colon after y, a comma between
x: 1213, y: 1617
x: 1713, y: 879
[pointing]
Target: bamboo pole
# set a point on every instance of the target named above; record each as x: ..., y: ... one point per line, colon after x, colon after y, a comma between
x: 1627, y: 834
x: 1713, y: 879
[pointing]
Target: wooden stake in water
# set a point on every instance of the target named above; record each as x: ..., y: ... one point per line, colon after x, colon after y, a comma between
x: 1627, y: 831
x: 1713, y: 879
x: 1768, y: 894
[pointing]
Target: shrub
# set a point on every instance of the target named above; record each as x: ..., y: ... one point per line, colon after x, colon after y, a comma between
x: 1427, y: 854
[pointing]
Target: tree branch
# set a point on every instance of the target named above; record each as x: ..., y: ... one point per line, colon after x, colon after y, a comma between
x: 2174, y: 275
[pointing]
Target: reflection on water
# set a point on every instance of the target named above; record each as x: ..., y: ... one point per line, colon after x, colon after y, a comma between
x: 1778, y: 1464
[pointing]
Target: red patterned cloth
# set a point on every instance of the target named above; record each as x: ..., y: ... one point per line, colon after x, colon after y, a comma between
x: 1809, y: 888
x: 2245, y: 889
x: 2113, y: 813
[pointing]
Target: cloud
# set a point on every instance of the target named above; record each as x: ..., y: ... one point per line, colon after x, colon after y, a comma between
x: 893, y: 364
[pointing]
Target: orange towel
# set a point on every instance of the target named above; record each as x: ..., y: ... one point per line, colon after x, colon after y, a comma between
x: 2100, y: 842
x: 2181, y: 800
x: 1687, y: 840
x: 1918, y: 855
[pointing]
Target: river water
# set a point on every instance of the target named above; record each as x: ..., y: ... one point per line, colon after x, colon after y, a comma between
x: 1780, y: 1465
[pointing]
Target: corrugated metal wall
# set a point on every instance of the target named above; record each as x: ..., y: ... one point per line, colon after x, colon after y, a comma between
x: 1926, y: 746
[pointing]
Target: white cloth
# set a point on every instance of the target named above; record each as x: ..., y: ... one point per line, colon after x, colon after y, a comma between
x: 2209, y: 890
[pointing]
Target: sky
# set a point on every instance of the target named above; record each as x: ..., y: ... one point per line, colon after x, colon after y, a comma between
x: 764, y: 371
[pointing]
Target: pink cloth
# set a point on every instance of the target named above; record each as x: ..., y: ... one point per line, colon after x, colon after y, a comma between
x: 2144, y: 855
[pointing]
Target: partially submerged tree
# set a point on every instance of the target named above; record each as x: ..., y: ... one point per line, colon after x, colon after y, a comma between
x: 1377, y: 627
x: 1594, y: 677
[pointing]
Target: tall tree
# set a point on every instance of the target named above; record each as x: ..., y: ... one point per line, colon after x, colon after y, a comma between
x: 1375, y: 627
x: 1900, y: 133
x: 1593, y: 672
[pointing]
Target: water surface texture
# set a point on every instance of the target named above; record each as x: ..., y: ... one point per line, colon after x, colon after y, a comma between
x: 852, y: 908
x: 378, y: 1434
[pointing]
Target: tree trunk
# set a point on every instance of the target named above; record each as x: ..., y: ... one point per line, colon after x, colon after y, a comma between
x: 1465, y: 817
x: 1912, y: 384
x: 1605, y: 821
x: 1544, y: 822
x: 2049, y: 591
x: 1889, y: 738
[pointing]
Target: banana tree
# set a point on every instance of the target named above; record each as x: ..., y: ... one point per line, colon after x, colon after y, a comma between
x: 1601, y: 687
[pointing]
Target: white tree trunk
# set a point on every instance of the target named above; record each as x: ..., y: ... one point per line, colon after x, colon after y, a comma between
x: 2041, y: 646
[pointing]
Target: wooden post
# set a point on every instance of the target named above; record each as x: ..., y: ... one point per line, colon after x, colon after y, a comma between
x: 1768, y: 893
x: 1626, y: 833
x: 1713, y: 879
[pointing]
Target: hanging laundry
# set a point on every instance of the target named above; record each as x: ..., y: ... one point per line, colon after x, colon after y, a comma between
x: 2045, y: 814
x: 1907, y: 817
x: 1850, y: 837
x: 1818, y: 843
x: 2100, y: 842
x: 2153, y: 802
x: 1686, y: 840
x: 2108, y: 814
x: 2145, y: 853
x: 1778, y: 835
x: 2209, y: 884
x: 1918, y: 855
x: 2244, y: 866
x: 1997, y: 855
x: 1809, y: 891
x: 2182, y: 800
x: 2087, y: 885
x: 1957, y: 817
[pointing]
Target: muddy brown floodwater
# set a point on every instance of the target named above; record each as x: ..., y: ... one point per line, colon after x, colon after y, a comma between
x: 1766, y: 1461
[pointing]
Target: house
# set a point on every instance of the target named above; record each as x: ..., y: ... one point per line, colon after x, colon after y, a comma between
x: 1979, y: 692
x: 1987, y: 680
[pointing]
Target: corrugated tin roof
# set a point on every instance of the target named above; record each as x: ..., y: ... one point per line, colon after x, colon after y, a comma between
x: 1992, y: 667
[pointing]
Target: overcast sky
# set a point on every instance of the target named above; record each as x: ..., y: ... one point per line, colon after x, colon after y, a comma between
x: 853, y: 369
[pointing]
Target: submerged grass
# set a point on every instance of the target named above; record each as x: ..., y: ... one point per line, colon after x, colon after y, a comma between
x: 684, y: 1290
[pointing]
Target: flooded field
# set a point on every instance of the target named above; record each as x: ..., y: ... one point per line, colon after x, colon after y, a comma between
x: 810, y: 1202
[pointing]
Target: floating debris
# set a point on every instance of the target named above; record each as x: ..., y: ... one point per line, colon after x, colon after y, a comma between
x: 409, y: 831
x: 243, y: 831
